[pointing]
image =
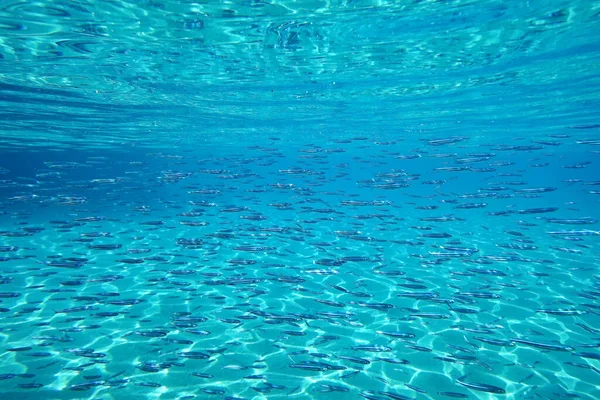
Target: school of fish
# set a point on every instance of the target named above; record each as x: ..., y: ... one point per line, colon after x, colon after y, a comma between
x: 353, y: 268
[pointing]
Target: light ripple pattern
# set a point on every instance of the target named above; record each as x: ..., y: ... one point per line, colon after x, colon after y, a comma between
x: 294, y: 271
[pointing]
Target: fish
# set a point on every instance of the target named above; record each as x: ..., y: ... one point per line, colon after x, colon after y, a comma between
x: 481, y: 387
x: 561, y: 312
x: 584, y: 354
x: 31, y: 385
x: 400, y: 335
x: 495, y: 342
x: 543, y: 346
x: 105, y: 246
x: 356, y: 360
x: 419, y: 348
x: 455, y: 395
x: 430, y: 315
x: 395, y: 396
x: 310, y: 367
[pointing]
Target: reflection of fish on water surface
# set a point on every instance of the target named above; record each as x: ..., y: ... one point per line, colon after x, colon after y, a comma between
x: 265, y: 273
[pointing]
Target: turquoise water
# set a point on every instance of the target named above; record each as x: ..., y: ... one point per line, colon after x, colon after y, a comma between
x: 305, y: 200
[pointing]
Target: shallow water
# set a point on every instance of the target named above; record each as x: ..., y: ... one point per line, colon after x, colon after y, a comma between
x: 302, y: 200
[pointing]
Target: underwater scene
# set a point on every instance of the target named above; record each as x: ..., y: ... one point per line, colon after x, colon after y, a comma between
x: 279, y: 199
